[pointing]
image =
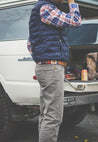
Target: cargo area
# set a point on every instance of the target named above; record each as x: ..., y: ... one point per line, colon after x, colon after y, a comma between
x: 76, y: 80
x: 81, y: 73
x: 82, y: 64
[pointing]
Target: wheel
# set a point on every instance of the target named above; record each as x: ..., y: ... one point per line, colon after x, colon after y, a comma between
x: 5, y: 122
x: 74, y: 115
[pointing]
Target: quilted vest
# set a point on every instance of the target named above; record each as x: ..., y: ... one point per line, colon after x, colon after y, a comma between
x: 47, y: 41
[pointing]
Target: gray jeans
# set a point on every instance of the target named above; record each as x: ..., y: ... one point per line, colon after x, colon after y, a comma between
x: 51, y: 80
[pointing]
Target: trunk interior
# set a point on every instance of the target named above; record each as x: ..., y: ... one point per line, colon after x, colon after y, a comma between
x: 79, y: 61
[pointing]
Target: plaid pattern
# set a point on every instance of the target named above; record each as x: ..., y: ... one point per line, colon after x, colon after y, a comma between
x: 51, y: 15
x: 29, y: 46
x: 54, y: 62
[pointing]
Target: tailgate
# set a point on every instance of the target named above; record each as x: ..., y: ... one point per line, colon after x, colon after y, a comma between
x: 81, y: 86
x: 78, y: 93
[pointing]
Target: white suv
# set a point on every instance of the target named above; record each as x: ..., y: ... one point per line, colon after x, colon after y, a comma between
x: 19, y: 89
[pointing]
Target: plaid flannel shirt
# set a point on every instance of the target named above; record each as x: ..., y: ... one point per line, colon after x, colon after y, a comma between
x: 51, y: 15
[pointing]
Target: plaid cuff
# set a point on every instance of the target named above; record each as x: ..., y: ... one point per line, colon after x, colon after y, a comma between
x: 73, y: 6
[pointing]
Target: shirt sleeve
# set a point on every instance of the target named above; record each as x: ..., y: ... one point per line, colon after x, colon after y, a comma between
x: 51, y: 15
x: 29, y: 46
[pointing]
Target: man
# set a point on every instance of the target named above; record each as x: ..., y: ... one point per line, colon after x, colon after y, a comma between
x: 50, y: 52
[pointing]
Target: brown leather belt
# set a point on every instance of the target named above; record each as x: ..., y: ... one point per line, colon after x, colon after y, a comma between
x: 52, y: 62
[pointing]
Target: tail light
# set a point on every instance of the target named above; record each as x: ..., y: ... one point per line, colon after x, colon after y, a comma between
x: 34, y: 77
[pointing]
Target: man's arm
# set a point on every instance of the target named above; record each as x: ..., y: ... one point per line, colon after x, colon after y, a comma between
x: 51, y: 15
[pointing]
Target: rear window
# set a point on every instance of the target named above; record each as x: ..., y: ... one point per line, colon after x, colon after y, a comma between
x: 14, y: 22
x: 85, y: 34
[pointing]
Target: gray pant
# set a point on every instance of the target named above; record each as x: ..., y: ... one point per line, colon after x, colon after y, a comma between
x: 51, y: 80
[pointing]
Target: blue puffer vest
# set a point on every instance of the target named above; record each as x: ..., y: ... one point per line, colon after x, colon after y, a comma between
x: 48, y: 42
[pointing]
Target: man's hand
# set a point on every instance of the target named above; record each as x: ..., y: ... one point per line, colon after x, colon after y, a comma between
x: 71, y: 1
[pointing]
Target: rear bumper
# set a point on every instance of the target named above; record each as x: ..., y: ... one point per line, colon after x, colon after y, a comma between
x: 76, y: 99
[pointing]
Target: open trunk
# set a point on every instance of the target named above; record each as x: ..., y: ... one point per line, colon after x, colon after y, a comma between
x: 82, y: 41
x: 73, y: 73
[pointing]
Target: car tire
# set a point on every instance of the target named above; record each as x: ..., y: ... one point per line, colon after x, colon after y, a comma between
x: 5, y: 122
x: 74, y: 115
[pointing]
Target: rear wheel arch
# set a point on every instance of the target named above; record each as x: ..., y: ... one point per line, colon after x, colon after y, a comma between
x: 6, y: 95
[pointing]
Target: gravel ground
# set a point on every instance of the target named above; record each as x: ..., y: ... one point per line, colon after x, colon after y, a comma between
x: 87, y: 131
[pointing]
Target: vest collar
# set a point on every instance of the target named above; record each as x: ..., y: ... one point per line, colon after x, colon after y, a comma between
x: 52, y: 2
